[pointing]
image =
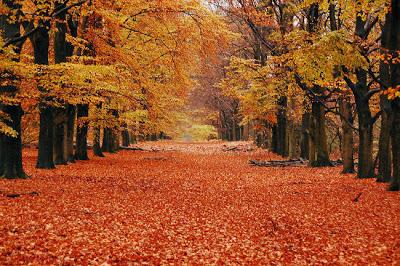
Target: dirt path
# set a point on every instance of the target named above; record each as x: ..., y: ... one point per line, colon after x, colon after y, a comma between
x: 195, y: 204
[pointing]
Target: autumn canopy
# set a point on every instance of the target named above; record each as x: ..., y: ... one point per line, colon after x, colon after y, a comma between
x: 314, y: 82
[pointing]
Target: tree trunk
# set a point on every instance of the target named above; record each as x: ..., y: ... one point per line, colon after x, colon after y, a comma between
x: 11, y: 147
x: 46, y: 137
x: 125, y: 138
x: 365, y: 161
x: 71, y: 109
x: 61, y: 118
x: 365, y: 121
x: 393, y: 45
x: 40, y: 41
x: 347, y: 135
x: 282, y: 145
x: 96, y: 142
x: 81, y: 135
x: 246, y: 132
x: 295, y: 142
x: 71, y: 114
x: 395, y: 182
x: 274, y: 141
x: 305, y: 136
x: 319, y: 138
x: 116, y: 134
x: 233, y: 129
x: 116, y: 141
x: 107, y: 140
x: 60, y: 140
x: 385, y: 156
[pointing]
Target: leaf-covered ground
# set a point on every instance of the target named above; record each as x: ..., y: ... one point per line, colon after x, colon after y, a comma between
x: 195, y: 204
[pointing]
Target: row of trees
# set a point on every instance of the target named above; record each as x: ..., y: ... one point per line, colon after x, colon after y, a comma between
x: 307, y: 74
x: 301, y: 76
x: 94, y: 68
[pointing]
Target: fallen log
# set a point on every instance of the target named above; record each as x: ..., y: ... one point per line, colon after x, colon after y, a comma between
x: 240, y: 147
x: 287, y: 163
x: 17, y: 195
x: 283, y: 163
x: 230, y: 148
x: 135, y: 148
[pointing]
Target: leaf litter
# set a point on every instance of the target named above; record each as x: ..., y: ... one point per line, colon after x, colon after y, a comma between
x: 195, y: 203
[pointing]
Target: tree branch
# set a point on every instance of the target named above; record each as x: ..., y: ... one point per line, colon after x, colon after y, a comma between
x: 54, y: 14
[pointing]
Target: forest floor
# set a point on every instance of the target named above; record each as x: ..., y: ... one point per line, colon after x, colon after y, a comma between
x: 194, y: 203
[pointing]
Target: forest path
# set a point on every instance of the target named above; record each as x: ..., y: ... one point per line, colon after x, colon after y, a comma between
x: 195, y: 204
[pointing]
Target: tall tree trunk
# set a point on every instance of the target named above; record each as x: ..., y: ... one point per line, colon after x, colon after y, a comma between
x: 305, y: 136
x: 11, y: 147
x: 125, y: 138
x: 71, y: 114
x: 107, y: 140
x: 365, y: 121
x: 294, y: 136
x: 61, y: 118
x: 319, y: 138
x: 395, y: 182
x: 233, y: 129
x: 282, y: 145
x: 116, y: 140
x: 393, y: 47
x: 116, y: 134
x: 365, y: 125
x: 46, y: 134
x: 111, y: 140
x: 71, y: 109
x: 60, y: 134
x: 96, y: 135
x: 274, y: 141
x: 82, y: 131
x: 347, y: 135
x: 40, y: 41
x: 246, y: 132
x: 96, y: 142
x: 385, y: 155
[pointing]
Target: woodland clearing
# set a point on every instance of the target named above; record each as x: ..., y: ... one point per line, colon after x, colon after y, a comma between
x: 194, y: 203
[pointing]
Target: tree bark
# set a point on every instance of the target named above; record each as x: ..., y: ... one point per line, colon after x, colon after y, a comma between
x: 81, y: 135
x: 125, y: 138
x: 393, y: 47
x: 46, y: 134
x: 385, y: 156
x: 96, y: 142
x: 365, y: 161
x: 282, y: 145
x: 294, y: 137
x: 40, y: 41
x: 71, y: 114
x: 305, y: 136
x: 274, y: 141
x: 71, y: 109
x: 365, y: 121
x: 107, y: 136
x: 319, y: 138
x: 395, y: 182
x: 347, y: 135
x: 60, y: 140
x: 60, y: 114
x: 11, y: 147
